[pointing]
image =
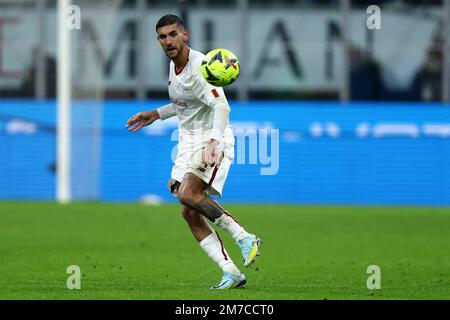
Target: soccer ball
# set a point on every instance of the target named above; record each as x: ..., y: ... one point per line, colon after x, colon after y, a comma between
x: 220, y: 67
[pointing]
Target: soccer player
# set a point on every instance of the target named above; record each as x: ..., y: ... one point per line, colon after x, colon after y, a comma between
x: 205, y: 151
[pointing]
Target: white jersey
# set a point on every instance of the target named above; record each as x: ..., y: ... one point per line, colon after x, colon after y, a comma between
x: 194, y: 101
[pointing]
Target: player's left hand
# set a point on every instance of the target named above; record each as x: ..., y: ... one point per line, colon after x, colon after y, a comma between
x: 210, y: 154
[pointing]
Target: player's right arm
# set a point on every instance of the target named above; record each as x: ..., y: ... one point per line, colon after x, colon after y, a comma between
x: 146, y: 118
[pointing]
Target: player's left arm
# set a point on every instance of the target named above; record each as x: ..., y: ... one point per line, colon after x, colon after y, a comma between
x: 215, y: 98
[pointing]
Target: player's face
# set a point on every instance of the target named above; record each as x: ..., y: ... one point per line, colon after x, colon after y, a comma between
x: 173, y: 40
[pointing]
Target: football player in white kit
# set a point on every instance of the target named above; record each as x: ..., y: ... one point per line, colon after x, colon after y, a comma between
x: 205, y: 151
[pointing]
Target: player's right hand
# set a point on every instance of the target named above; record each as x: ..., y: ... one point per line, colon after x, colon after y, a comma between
x: 141, y: 119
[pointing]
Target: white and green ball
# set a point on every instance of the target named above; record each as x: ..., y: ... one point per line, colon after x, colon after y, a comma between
x: 220, y: 67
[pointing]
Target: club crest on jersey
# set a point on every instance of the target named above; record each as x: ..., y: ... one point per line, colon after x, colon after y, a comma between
x: 178, y: 102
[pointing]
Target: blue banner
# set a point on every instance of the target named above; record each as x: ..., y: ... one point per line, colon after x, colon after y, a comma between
x: 286, y: 152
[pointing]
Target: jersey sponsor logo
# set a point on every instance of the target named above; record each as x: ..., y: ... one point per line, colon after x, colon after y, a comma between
x: 178, y: 102
x: 215, y: 93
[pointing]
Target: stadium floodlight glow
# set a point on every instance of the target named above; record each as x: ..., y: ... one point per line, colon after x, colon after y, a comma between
x: 63, y: 193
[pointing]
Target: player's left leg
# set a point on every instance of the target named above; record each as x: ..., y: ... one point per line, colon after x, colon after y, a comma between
x: 211, y: 243
x: 191, y: 194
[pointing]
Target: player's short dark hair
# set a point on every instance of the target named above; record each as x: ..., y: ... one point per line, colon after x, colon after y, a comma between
x: 169, y: 19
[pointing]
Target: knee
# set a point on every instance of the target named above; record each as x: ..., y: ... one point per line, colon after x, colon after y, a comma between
x: 186, y: 197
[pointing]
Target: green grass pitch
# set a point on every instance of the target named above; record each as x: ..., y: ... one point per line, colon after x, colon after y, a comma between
x: 131, y: 251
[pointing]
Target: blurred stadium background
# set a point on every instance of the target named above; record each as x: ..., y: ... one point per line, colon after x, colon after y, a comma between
x: 362, y: 115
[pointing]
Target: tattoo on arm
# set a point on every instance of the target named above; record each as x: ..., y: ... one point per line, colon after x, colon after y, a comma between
x: 209, y: 208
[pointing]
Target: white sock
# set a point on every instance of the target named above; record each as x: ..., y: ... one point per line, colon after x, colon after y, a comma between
x: 214, y: 248
x: 229, y: 224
